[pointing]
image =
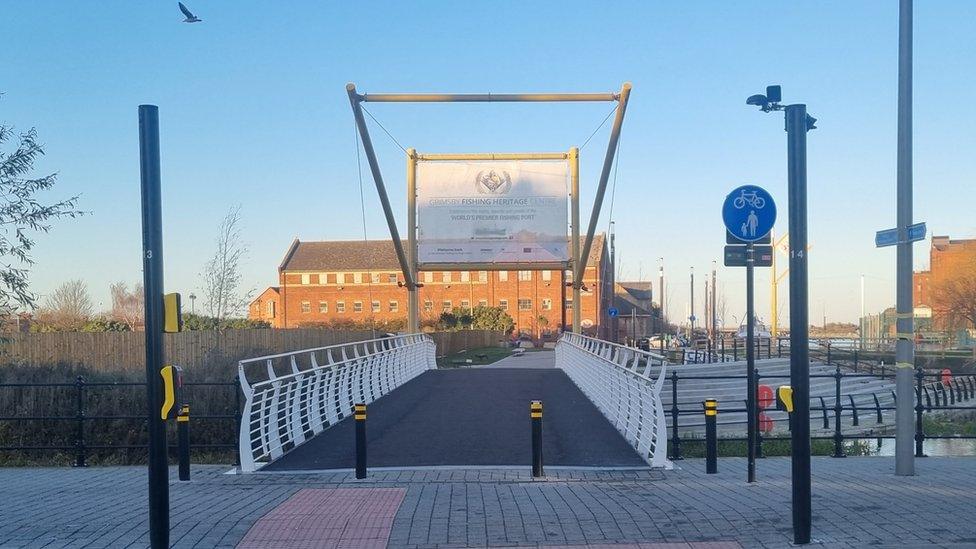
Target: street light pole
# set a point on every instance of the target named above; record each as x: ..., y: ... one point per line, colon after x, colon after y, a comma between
x: 797, y: 126
x: 691, y: 313
x: 905, y: 348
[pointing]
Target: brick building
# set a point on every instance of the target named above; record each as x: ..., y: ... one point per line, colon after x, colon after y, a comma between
x: 333, y: 281
x: 947, y: 259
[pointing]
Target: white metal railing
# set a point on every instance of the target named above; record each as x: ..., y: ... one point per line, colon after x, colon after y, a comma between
x: 291, y: 397
x: 617, y: 379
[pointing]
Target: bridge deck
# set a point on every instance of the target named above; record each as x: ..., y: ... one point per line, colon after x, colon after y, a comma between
x: 472, y: 417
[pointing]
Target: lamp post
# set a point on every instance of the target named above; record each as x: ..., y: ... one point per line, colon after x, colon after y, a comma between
x: 798, y: 123
x: 193, y: 298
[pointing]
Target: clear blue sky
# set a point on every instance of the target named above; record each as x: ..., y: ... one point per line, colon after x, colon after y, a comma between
x: 253, y: 111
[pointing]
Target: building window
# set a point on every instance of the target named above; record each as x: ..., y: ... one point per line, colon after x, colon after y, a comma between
x: 465, y: 304
x: 446, y: 306
x: 503, y: 304
x: 357, y: 306
x: 525, y: 275
x: 322, y: 279
x: 568, y: 275
x: 428, y: 276
x: 428, y: 305
x: 482, y: 276
x: 306, y: 307
x: 465, y: 276
x: 271, y: 308
x: 357, y: 278
x: 446, y: 276
x: 306, y: 279
x: 394, y: 306
x: 546, y: 276
x: 340, y: 306
x: 376, y: 307
x: 525, y: 304
x: 482, y: 302
x: 392, y: 278
x: 340, y: 278
x: 374, y: 278
x: 547, y: 304
x: 503, y: 276
x: 323, y: 306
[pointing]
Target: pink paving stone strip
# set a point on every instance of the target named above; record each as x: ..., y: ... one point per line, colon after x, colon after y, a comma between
x: 337, y: 518
x: 648, y: 545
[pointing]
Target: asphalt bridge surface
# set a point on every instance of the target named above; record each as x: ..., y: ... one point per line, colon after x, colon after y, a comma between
x: 471, y: 417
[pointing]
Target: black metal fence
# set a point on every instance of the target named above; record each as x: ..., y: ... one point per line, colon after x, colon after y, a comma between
x: 80, y: 427
x: 934, y: 392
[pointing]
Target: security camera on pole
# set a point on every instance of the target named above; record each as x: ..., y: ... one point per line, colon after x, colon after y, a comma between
x: 749, y: 214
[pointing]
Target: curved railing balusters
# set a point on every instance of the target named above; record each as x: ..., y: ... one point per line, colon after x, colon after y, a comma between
x: 294, y: 397
x: 608, y: 375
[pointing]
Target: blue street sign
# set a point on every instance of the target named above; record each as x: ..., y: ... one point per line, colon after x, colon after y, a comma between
x: 749, y: 213
x: 612, y: 311
x: 889, y: 237
x: 916, y: 232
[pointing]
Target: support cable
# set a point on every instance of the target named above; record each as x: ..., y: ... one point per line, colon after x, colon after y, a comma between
x: 382, y: 127
x: 607, y: 117
x: 362, y: 206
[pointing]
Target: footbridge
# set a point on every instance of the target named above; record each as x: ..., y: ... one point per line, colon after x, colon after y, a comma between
x: 602, y: 407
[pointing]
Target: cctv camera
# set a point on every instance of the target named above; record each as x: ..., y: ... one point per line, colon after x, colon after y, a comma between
x: 758, y: 100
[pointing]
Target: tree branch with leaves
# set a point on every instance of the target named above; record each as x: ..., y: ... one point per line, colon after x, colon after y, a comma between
x: 23, y: 214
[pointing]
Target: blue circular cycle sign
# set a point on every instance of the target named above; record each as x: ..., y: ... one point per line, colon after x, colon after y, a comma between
x: 749, y: 213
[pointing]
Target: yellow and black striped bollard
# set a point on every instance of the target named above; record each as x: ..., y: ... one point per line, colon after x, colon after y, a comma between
x: 360, y: 417
x: 183, y: 441
x: 535, y: 413
x: 711, y: 436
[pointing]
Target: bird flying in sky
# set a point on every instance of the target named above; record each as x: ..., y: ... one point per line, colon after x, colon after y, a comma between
x: 190, y: 18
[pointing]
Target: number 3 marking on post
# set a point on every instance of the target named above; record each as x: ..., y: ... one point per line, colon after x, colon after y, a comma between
x: 148, y: 254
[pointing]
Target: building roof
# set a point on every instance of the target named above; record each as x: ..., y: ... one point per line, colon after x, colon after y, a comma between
x: 641, y: 291
x: 345, y: 255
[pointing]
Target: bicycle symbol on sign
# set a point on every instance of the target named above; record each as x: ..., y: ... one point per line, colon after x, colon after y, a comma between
x: 750, y: 198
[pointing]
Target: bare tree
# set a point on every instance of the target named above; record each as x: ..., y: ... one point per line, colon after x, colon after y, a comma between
x: 68, y: 307
x: 955, y: 296
x: 222, y: 278
x: 128, y: 307
x: 23, y: 214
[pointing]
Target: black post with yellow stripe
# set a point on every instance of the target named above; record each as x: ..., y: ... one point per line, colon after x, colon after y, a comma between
x: 711, y: 435
x: 535, y: 414
x: 183, y: 441
x: 360, y: 416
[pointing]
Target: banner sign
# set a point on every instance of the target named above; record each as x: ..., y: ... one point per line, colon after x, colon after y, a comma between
x: 492, y: 211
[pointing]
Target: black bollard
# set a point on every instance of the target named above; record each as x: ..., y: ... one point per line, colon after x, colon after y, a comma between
x: 535, y: 413
x: 183, y: 441
x: 360, y: 417
x: 711, y: 436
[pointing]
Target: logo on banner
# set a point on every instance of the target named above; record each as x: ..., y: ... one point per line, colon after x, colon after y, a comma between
x: 492, y: 182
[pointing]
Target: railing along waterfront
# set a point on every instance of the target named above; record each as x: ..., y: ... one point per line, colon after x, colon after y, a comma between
x: 618, y: 380
x: 936, y: 393
x: 290, y: 397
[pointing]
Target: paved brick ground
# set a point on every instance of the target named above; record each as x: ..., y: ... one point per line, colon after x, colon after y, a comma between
x: 857, y: 503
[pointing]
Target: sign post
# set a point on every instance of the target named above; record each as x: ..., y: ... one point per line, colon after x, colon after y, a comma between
x: 152, y: 268
x: 749, y: 214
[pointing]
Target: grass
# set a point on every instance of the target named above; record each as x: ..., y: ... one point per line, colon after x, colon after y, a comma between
x: 946, y: 424
x: 771, y: 448
x: 478, y: 357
